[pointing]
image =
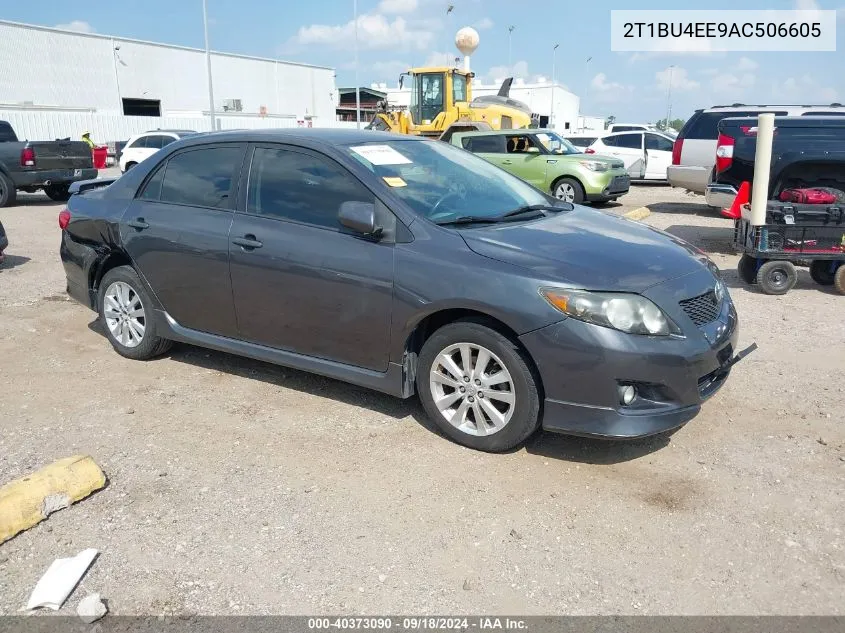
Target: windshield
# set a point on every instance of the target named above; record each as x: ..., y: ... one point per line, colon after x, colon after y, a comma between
x: 557, y: 144
x: 441, y: 182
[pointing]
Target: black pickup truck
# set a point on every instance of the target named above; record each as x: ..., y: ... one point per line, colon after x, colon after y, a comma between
x: 807, y: 151
x: 48, y: 165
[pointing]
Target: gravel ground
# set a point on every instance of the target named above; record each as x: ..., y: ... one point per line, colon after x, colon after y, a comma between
x: 237, y: 487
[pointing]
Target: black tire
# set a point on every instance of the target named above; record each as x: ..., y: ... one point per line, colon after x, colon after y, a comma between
x: 59, y: 193
x: 577, y: 189
x: 839, y: 279
x: 747, y: 269
x: 8, y: 193
x: 129, y: 166
x: 776, y: 277
x: 820, y: 272
x: 525, y: 417
x: 151, y: 345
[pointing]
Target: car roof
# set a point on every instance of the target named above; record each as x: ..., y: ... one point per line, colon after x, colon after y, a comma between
x: 654, y: 131
x: 523, y: 130
x: 324, y: 136
x: 742, y: 107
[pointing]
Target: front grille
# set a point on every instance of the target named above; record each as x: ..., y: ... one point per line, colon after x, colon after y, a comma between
x: 702, y: 309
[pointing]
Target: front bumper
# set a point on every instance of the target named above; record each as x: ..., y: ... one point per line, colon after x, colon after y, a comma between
x: 720, y: 196
x: 688, y: 177
x: 53, y: 176
x: 606, y: 185
x: 582, y: 366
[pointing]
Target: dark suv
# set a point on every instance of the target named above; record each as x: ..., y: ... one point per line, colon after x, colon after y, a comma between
x: 404, y: 265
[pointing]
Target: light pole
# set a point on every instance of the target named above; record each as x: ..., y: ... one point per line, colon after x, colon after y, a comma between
x: 554, y: 83
x: 357, y: 87
x: 586, y: 84
x: 669, y: 99
x: 510, y: 48
x: 208, y: 65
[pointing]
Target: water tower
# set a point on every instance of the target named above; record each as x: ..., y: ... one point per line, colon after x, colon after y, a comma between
x: 467, y: 41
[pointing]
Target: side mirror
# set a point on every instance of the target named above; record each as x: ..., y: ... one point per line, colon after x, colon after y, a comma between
x: 359, y: 217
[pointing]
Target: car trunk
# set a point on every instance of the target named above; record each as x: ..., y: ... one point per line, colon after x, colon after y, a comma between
x: 62, y: 155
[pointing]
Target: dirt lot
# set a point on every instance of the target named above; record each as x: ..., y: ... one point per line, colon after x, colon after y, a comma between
x: 240, y: 487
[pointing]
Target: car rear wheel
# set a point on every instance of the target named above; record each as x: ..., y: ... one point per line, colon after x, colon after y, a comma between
x: 478, y: 387
x: 126, y: 313
x: 776, y: 277
x: 129, y: 166
x: 568, y: 190
x: 8, y: 194
x: 59, y: 193
x: 822, y: 272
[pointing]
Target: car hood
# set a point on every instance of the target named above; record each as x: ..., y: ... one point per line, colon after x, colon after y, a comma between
x: 588, y: 249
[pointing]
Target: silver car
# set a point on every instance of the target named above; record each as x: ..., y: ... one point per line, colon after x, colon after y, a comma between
x: 694, y: 155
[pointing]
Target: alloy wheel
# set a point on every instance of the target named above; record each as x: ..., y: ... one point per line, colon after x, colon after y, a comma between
x: 124, y: 314
x: 565, y: 191
x: 472, y: 389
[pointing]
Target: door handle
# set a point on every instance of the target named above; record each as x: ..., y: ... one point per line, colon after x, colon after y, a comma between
x: 247, y: 242
x: 138, y: 223
x: 506, y: 162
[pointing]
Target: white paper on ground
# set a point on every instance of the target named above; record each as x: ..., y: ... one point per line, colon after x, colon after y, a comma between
x: 60, y: 579
x: 381, y: 155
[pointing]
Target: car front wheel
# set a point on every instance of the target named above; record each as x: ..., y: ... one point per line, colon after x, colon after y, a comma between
x: 126, y: 313
x: 479, y: 387
x: 568, y: 190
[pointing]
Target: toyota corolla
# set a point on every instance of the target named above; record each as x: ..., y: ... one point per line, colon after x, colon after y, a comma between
x: 407, y: 266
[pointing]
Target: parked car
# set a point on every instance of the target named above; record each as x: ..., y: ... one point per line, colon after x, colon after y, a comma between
x: 4, y: 242
x: 694, y: 156
x: 549, y: 162
x: 142, y: 146
x: 631, y: 127
x: 646, y: 155
x: 581, y: 141
x: 48, y: 165
x: 807, y: 151
x: 405, y: 265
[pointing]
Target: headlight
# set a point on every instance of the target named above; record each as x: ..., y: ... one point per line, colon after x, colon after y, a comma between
x: 595, y: 165
x: 629, y: 313
x: 721, y: 291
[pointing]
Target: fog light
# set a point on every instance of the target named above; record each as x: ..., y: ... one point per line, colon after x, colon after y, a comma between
x: 627, y: 393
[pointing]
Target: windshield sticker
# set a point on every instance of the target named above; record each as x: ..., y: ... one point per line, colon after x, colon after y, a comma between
x: 395, y: 181
x: 381, y: 155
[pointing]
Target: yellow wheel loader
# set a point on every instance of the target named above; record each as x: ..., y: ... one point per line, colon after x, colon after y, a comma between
x: 442, y: 103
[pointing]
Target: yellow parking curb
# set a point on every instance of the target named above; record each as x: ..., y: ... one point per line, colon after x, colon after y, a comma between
x: 637, y: 214
x: 27, y: 501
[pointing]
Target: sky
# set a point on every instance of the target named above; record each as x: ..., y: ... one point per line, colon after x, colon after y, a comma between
x: 397, y: 34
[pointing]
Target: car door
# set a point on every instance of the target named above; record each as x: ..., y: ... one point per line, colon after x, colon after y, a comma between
x: 300, y: 281
x: 177, y: 233
x: 526, y: 159
x: 628, y: 147
x: 658, y: 150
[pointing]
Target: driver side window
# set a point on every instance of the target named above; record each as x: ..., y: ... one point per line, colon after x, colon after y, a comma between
x: 432, y: 96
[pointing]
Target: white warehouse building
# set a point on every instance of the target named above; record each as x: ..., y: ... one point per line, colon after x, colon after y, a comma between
x: 558, y: 108
x: 57, y: 84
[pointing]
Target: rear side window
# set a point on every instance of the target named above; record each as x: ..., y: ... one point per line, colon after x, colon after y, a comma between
x: 492, y: 144
x: 631, y: 141
x: 301, y: 187
x: 704, y: 125
x: 657, y: 142
x: 625, y: 128
x: 7, y: 134
x: 138, y: 143
x: 840, y: 113
x: 201, y: 177
x: 610, y: 141
x: 152, y: 190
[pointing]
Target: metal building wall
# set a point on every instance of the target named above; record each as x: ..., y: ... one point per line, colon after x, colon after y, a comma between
x: 48, y: 67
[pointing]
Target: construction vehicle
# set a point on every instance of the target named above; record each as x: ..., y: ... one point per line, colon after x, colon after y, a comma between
x: 442, y: 103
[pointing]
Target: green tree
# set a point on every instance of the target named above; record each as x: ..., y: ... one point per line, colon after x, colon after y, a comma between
x: 609, y: 121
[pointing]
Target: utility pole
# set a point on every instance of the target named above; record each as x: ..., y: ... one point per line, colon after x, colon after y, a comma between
x: 208, y: 66
x: 357, y: 83
x: 669, y: 99
x: 586, y: 84
x: 554, y: 84
x: 510, y: 47
x: 448, y: 30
